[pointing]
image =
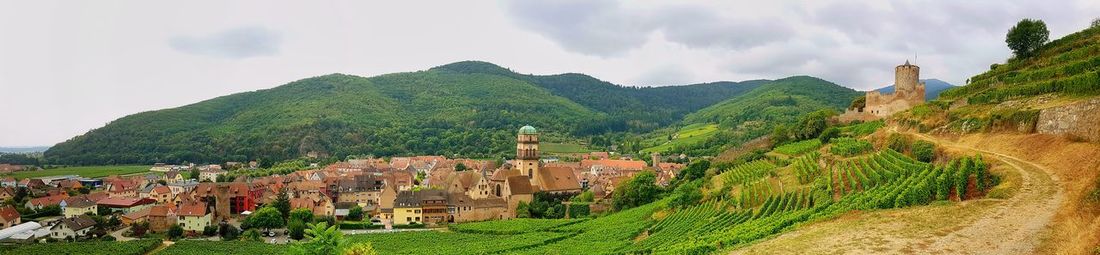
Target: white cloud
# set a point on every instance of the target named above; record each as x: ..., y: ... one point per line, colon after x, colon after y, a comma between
x: 243, y: 42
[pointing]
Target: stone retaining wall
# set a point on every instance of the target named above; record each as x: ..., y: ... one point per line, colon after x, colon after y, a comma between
x: 1081, y: 120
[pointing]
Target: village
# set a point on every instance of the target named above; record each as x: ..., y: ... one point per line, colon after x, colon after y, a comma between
x: 368, y: 193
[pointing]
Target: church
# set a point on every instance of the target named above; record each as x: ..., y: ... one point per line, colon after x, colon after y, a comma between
x: 547, y: 179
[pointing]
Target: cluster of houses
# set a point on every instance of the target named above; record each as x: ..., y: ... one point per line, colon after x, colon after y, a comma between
x: 449, y: 190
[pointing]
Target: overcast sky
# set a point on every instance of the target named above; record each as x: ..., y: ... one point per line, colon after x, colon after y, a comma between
x: 67, y: 67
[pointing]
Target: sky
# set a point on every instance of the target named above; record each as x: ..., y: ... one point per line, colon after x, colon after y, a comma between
x: 67, y: 67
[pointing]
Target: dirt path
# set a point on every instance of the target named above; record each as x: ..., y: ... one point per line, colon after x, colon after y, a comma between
x: 163, y: 245
x: 1015, y: 225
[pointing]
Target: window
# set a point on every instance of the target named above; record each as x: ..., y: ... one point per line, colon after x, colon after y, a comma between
x: 417, y: 218
x: 408, y: 218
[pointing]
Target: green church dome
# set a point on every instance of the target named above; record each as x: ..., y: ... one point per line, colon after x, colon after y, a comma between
x: 527, y: 130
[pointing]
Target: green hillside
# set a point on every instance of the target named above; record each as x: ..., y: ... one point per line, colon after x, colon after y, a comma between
x: 421, y: 112
x: 467, y: 109
x: 757, y: 112
x: 1010, y: 95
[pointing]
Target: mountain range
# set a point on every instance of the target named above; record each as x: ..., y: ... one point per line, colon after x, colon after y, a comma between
x: 468, y: 109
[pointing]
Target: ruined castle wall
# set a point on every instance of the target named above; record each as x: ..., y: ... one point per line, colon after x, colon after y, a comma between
x: 1080, y: 120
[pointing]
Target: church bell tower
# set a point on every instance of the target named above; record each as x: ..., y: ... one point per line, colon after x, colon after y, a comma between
x: 527, y: 154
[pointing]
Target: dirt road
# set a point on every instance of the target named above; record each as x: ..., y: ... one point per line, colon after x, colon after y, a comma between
x: 1015, y: 225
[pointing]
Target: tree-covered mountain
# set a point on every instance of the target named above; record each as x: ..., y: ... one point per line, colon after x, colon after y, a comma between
x: 932, y: 88
x: 467, y: 109
x: 758, y: 112
x: 630, y: 108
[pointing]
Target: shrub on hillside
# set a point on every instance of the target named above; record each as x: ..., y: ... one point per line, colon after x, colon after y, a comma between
x: 924, y: 151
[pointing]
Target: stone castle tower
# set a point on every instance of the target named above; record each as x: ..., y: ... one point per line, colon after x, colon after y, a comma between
x: 527, y: 154
x: 908, y: 92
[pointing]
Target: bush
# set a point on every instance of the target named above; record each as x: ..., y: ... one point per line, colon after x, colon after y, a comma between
x: 210, y: 230
x: 297, y: 229
x: 924, y: 151
x: 898, y: 142
x: 175, y: 231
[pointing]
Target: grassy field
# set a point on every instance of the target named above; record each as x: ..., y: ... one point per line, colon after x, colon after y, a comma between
x: 562, y: 148
x: 691, y: 134
x: 83, y: 171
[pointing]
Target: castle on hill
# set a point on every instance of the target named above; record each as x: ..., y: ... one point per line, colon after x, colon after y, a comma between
x: 908, y: 92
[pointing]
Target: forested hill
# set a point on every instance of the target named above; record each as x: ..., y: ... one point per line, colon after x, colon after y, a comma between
x: 468, y: 109
x: 756, y: 113
x: 630, y: 108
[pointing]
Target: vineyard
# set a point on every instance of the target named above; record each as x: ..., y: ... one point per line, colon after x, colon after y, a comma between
x: 135, y: 247
x: 512, y: 226
x: 847, y: 147
x: 197, y: 247
x: 797, y: 148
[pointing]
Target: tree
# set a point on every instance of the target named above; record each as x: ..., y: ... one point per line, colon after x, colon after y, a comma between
x: 140, y: 228
x: 640, y: 190
x: 1026, y: 37
x: 282, y: 203
x: 229, y: 232
x: 210, y: 230
x: 194, y: 173
x: 266, y: 218
x: 859, y: 103
x: 323, y: 239
x: 687, y: 195
x: 460, y: 167
x: 297, y: 229
x: 523, y: 210
x: 175, y: 231
x: 583, y: 197
x: 355, y: 213
x: 829, y: 134
x: 359, y: 249
x: 302, y: 214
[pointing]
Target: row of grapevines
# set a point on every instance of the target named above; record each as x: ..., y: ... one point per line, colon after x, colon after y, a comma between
x: 203, y: 247
x: 846, y: 146
x: 512, y: 226
x: 806, y: 167
x: 745, y: 173
x: 135, y: 247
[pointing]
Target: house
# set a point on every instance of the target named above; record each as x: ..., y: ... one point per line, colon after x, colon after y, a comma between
x: 172, y: 177
x: 7, y: 193
x: 386, y: 201
x: 425, y: 206
x: 69, y: 184
x: 125, y: 205
x: 31, y: 183
x: 9, y: 216
x: 122, y: 189
x: 9, y: 168
x: 321, y: 206
x: 463, y: 208
x: 161, y: 217
x: 79, y: 205
x: 39, y: 203
x: 363, y: 190
x: 182, y: 186
x: 194, y: 217
x: 160, y: 167
x: 211, y: 174
x: 72, y: 228
x: 138, y: 216
x: 9, y: 182
x: 162, y: 194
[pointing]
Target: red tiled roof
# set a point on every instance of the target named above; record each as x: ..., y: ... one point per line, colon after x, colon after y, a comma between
x: 124, y: 202
x: 194, y: 209
x: 8, y: 213
x: 558, y: 179
x: 615, y: 163
x: 50, y: 200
